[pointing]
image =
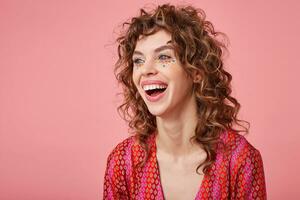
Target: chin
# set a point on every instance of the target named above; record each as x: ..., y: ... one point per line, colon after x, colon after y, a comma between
x: 157, y: 111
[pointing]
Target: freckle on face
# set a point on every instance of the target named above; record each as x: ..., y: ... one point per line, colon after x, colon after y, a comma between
x: 168, y: 62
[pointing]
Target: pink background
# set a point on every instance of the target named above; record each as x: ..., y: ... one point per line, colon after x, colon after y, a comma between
x: 58, y: 118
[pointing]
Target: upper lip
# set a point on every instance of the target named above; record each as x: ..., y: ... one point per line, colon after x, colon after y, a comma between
x: 149, y: 82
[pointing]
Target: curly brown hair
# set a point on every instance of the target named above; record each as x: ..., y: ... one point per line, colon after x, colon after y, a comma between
x: 200, y: 52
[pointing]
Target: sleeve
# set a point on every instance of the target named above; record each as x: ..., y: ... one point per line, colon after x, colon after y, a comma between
x: 251, y: 178
x: 114, y: 187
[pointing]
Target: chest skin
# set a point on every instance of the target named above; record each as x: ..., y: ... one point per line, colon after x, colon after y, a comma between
x: 179, y: 179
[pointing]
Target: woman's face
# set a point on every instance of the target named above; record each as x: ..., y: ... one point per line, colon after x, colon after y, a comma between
x: 158, y: 75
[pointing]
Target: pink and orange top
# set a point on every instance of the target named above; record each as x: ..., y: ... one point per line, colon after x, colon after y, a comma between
x: 237, y: 173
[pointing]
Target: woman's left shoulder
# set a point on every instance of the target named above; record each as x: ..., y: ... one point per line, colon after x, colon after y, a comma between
x: 238, y: 148
x: 234, y: 141
x: 239, y: 151
x: 245, y: 165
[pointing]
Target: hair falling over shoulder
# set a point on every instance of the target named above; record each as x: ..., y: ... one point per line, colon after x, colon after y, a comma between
x: 201, y: 52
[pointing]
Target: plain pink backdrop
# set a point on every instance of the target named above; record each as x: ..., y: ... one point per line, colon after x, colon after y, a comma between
x: 58, y: 118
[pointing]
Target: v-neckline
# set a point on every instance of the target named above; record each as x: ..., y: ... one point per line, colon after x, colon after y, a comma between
x: 158, y: 171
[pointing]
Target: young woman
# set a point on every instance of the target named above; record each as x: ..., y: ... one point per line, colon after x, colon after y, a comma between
x: 178, y: 105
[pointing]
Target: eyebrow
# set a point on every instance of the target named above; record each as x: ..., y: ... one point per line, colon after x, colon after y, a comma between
x: 158, y: 49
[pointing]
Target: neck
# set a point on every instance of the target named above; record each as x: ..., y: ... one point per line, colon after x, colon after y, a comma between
x: 176, y: 129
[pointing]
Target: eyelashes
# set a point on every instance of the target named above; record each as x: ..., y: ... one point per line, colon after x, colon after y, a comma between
x: 138, y: 62
x: 165, y: 59
x: 162, y: 58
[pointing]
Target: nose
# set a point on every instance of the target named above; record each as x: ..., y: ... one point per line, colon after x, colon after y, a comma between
x: 149, y: 68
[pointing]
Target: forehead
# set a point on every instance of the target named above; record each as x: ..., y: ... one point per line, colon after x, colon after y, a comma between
x: 150, y: 42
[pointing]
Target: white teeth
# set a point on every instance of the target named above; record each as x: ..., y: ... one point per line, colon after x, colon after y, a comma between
x: 152, y: 87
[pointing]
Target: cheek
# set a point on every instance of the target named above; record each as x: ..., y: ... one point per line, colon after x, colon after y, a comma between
x: 134, y: 82
x: 135, y: 79
x: 182, y: 80
x: 176, y: 72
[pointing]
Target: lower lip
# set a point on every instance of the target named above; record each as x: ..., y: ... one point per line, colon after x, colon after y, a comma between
x: 155, y: 98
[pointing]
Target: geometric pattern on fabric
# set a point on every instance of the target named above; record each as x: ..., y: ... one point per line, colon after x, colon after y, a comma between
x: 237, y: 173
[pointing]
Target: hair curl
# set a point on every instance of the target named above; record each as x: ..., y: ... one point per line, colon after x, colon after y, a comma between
x: 200, y: 52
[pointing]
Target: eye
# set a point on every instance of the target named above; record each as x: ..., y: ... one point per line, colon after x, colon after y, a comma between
x: 137, y: 61
x: 164, y: 57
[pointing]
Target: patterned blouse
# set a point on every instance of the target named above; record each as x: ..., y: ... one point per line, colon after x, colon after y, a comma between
x: 237, y: 172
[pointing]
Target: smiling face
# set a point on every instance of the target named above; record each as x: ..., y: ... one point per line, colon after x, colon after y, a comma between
x: 158, y: 75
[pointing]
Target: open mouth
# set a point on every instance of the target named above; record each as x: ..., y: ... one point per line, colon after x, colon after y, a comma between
x: 155, y: 92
